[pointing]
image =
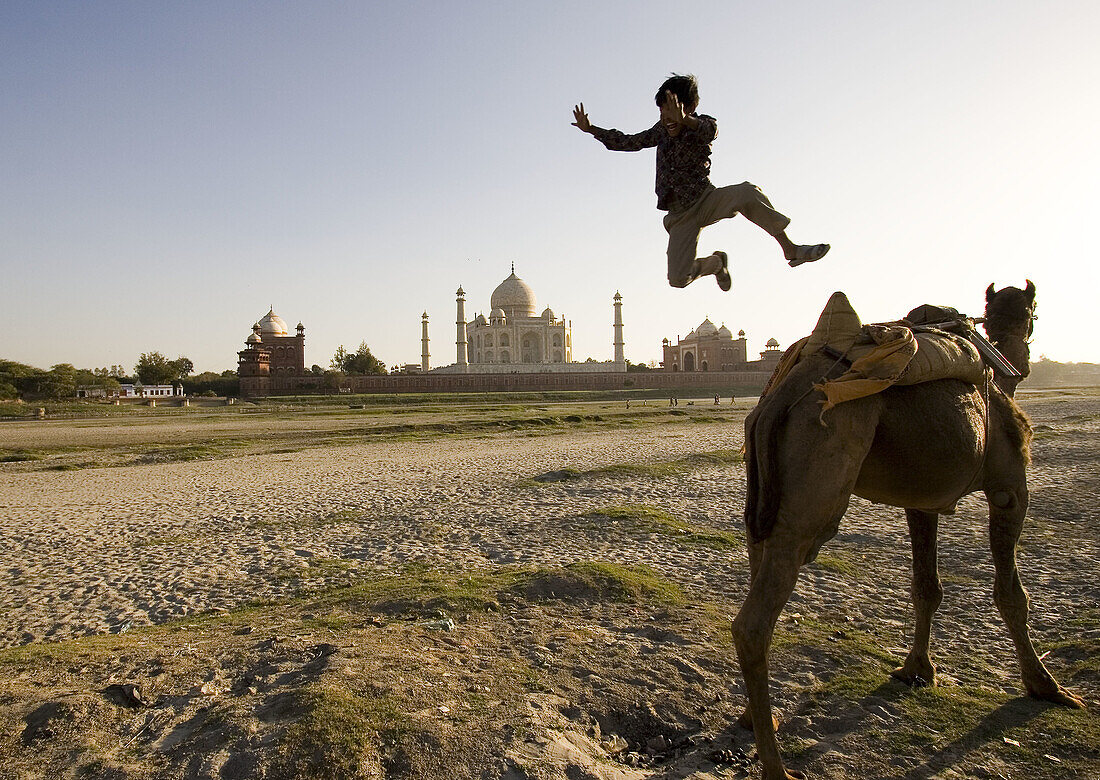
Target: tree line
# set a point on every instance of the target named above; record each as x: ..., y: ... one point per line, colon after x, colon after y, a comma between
x: 61, y: 381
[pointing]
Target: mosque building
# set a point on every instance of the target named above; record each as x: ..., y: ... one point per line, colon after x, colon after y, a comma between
x: 708, y: 348
x: 516, y: 339
x: 272, y: 359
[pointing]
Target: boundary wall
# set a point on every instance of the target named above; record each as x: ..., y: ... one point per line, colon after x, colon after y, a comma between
x: 712, y: 381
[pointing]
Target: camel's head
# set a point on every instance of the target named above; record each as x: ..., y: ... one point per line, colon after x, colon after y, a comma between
x: 1011, y: 305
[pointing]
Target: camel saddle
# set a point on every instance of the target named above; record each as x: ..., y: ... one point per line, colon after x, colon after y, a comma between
x: 929, y: 343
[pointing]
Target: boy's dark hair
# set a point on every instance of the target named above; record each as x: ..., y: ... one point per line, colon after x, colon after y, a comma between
x: 686, y: 88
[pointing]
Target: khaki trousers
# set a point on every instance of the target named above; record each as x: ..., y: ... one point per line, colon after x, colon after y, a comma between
x: 715, y: 204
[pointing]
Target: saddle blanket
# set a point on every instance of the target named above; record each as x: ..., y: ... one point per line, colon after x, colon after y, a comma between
x: 882, y: 355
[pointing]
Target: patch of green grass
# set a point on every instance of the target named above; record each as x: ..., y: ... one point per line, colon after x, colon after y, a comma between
x: 338, y: 734
x: 1079, y: 654
x: 185, y: 453
x: 421, y: 591
x: 314, y: 569
x: 19, y: 456
x: 599, y: 581
x: 338, y: 517
x: 838, y: 564
x: 64, y: 467
x: 645, y: 518
x: 332, y: 622
x: 945, y: 713
x: 669, y: 468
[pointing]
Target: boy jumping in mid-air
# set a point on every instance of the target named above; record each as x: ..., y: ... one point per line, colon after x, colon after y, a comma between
x: 684, y: 190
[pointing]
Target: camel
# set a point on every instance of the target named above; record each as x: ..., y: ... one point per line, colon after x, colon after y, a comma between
x: 920, y: 447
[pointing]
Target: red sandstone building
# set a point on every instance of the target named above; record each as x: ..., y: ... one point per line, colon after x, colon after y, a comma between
x: 708, y: 348
x: 272, y: 361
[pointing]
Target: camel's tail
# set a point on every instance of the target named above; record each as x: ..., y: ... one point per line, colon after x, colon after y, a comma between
x: 763, y: 427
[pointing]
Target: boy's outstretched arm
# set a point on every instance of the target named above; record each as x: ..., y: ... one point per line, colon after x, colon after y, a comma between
x: 613, y: 139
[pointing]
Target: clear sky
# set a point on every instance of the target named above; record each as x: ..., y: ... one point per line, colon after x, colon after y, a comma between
x: 170, y: 170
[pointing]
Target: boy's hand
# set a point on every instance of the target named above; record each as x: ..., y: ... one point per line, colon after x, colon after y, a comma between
x: 675, y: 117
x: 581, y: 118
x: 673, y: 110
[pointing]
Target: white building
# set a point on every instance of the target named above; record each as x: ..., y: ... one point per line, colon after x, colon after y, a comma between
x: 149, y: 391
x: 515, y: 339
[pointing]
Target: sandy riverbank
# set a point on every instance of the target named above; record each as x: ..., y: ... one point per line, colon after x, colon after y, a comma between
x: 103, y: 550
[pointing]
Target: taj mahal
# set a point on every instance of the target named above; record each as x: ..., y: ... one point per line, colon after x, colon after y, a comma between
x: 515, y: 339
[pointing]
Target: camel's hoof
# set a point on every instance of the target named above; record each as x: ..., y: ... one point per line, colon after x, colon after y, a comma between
x: 745, y: 721
x: 1061, y: 696
x: 791, y: 774
x: 913, y: 679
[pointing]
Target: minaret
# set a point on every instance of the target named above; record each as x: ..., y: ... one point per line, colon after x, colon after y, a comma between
x: 620, y: 359
x: 424, y: 354
x: 460, y: 324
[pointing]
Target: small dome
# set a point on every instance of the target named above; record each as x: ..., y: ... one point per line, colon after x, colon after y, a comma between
x: 548, y: 313
x: 706, y: 328
x: 253, y: 339
x: 689, y: 336
x: 514, y: 297
x: 272, y: 324
x: 740, y: 334
x: 479, y: 319
x: 496, y: 314
x: 724, y: 332
x: 772, y: 344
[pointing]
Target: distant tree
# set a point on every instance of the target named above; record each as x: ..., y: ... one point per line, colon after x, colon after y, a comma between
x: 361, y: 361
x: 632, y: 367
x: 154, y: 368
x: 23, y: 379
x: 182, y: 367
x: 8, y: 392
x: 60, y: 382
x: 210, y: 383
x: 316, y: 370
x: 338, y: 359
x: 334, y: 379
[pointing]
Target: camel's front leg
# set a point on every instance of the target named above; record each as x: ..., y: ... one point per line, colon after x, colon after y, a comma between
x: 927, y: 593
x: 1007, y: 507
x: 774, y: 579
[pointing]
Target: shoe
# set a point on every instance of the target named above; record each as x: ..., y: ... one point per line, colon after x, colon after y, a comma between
x: 807, y: 253
x: 722, y: 275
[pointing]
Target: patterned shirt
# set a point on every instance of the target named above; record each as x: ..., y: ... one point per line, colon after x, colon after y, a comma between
x: 683, y: 162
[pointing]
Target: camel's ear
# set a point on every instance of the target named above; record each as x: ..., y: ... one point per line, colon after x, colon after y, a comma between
x: 989, y: 293
x: 1030, y: 291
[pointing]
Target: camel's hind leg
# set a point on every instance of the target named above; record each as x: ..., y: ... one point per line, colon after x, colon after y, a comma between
x: 774, y: 578
x: 1007, y: 507
x: 927, y: 593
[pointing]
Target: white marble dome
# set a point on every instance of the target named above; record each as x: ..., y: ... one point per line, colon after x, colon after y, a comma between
x: 271, y: 324
x: 706, y: 329
x: 514, y: 297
